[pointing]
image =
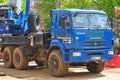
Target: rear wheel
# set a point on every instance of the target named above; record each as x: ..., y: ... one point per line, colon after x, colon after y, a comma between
x: 20, y: 61
x: 56, y: 65
x: 95, y: 67
x: 8, y: 57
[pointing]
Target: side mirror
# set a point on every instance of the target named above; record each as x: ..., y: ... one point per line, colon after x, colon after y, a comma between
x: 111, y: 22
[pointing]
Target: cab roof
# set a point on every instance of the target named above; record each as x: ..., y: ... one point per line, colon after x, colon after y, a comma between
x: 71, y: 11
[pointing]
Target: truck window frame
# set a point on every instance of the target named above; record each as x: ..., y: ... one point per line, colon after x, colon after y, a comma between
x: 64, y: 21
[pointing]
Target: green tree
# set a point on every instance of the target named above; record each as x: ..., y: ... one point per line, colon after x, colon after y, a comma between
x: 23, y: 5
x: 44, y: 7
x: 107, y: 5
x: 76, y: 4
x: 1, y: 1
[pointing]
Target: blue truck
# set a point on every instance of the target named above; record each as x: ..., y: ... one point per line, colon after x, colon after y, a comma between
x: 77, y: 37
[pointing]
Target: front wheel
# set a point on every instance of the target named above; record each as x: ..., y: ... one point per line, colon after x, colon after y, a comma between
x: 20, y: 61
x: 56, y: 65
x: 95, y: 67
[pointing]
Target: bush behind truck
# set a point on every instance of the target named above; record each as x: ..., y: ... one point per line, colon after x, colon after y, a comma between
x: 77, y: 37
x: 116, y: 29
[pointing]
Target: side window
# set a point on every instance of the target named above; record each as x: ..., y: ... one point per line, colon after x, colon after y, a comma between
x: 64, y: 21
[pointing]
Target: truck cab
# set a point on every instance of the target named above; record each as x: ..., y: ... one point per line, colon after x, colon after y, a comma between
x: 82, y: 36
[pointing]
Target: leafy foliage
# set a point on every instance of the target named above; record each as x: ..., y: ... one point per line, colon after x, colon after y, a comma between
x: 76, y: 4
x: 3, y: 1
x: 45, y: 6
x: 23, y: 5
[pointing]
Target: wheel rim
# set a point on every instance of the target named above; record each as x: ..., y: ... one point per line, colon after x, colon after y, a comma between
x: 54, y: 64
x: 17, y: 59
x: 37, y: 23
x: 37, y: 27
x: 6, y: 57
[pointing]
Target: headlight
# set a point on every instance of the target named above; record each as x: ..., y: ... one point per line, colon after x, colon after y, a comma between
x: 110, y: 52
x: 76, y: 53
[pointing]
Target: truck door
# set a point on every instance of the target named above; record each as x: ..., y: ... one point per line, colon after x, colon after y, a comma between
x: 64, y: 30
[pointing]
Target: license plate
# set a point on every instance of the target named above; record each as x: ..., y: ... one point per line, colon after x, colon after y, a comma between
x: 96, y: 58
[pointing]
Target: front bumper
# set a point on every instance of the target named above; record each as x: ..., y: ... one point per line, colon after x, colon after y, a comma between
x: 88, y: 55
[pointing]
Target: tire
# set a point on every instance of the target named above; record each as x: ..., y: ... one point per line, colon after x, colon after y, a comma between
x: 95, y: 67
x: 8, y: 57
x: 20, y: 61
x: 56, y: 65
x: 39, y: 63
x: 33, y: 22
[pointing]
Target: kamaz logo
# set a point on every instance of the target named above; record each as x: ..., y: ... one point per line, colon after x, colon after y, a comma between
x: 95, y: 38
x: 95, y: 44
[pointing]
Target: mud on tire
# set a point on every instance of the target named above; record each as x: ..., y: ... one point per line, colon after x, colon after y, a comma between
x: 8, y: 57
x: 20, y: 61
x: 56, y: 65
x: 95, y: 67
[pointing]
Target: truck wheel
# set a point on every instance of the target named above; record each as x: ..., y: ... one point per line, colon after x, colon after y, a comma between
x: 95, y: 67
x: 56, y: 65
x: 33, y: 22
x: 8, y: 57
x: 20, y: 61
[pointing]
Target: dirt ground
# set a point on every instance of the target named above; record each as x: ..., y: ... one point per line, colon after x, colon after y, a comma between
x: 40, y: 73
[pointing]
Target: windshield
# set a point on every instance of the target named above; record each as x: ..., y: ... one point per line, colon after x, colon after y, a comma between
x: 90, y: 20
